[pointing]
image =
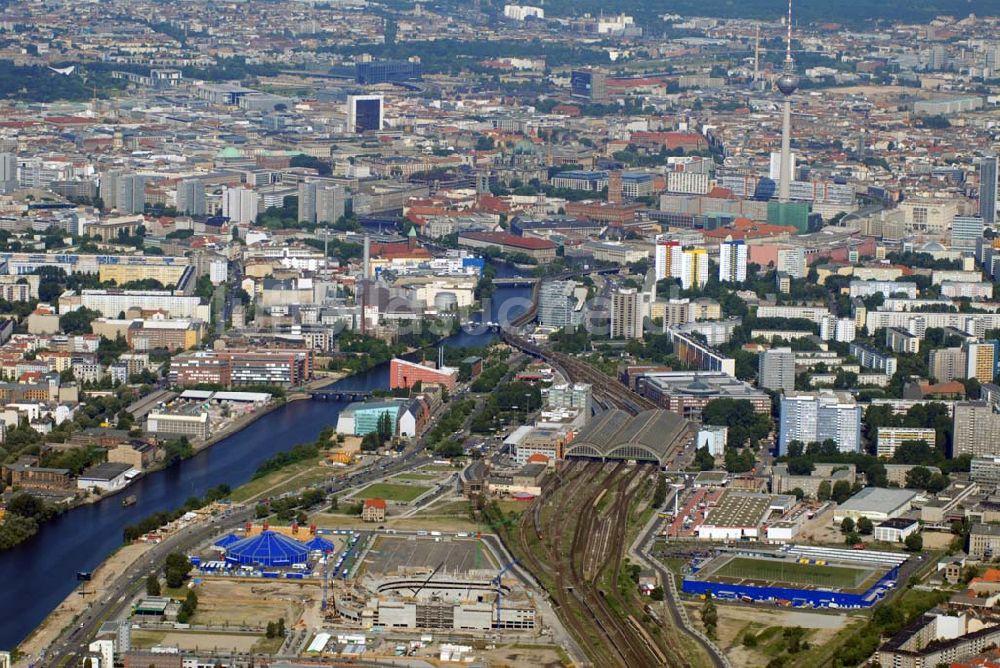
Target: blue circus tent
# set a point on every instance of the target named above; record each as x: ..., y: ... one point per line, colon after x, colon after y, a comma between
x: 227, y: 540
x: 267, y: 549
x: 321, y: 544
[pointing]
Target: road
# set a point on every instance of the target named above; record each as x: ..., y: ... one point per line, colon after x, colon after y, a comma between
x: 74, y: 640
x: 719, y: 660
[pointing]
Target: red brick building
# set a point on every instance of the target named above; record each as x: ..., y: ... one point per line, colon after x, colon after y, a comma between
x: 540, y: 249
x: 403, y: 374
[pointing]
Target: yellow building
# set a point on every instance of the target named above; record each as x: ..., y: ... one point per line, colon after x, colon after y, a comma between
x: 125, y: 273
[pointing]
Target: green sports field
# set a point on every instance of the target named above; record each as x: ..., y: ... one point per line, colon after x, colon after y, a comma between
x: 791, y: 572
x: 391, y: 492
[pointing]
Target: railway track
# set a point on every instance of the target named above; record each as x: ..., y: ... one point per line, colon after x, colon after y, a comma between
x: 607, y: 390
x: 573, y: 551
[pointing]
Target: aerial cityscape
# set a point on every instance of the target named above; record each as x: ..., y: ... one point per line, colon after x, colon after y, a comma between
x: 459, y: 332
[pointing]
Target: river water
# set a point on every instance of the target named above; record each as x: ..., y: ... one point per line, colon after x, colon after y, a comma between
x: 38, y: 574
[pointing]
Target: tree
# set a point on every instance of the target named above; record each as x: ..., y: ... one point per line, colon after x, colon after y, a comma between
x: 703, y: 459
x: 798, y: 493
x: 176, y: 568
x: 78, y: 321
x: 709, y: 615
x: 657, y: 593
x: 841, y: 491
x: 865, y: 526
x: 749, y: 639
x: 660, y: 494
x: 152, y: 585
x: 823, y: 493
x: 918, y: 477
x: 847, y: 526
x: 271, y: 630
x: 914, y: 542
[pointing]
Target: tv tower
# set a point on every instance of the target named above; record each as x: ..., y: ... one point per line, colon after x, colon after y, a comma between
x: 787, y: 83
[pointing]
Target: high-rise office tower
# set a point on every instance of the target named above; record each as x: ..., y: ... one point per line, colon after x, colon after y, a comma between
x: 557, y: 304
x: 364, y: 113
x: 667, y: 256
x: 965, y: 231
x: 108, y: 191
x: 988, y: 189
x: 8, y: 172
x: 131, y: 193
x: 694, y: 268
x: 776, y: 369
x: 732, y: 261
x: 626, y: 314
x: 787, y: 84
x: 321, y: 202
x: 191, y: 197
x: 240, y: 205
x: 589, y: 84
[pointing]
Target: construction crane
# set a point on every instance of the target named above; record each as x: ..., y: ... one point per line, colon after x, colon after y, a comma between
x: 416, y: 590
x: 496, y: 581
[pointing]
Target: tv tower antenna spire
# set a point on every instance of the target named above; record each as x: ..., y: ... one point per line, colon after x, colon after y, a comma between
x: 787, y: 84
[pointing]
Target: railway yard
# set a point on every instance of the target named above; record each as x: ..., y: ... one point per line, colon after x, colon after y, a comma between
x: 579, y: 557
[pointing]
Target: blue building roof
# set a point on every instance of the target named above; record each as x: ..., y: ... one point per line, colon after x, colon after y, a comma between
x: 321, y: 544
x: 267, y: 549
x: 226, y: 541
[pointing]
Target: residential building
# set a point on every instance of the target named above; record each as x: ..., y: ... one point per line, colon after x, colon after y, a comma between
x: 901, y: 341
x: 698, y: 355
x: 814, y: 417
x: 981, y: 360
x: 946, y: 364
x: 626, y: 314
x: 988, y: 175
x: 694, y: 268
x: 776, y: 369
x: 890, y: 438
x: 667, y: 255
x: 870, y: 358
x: 732, y: 261
x: 976, y: 430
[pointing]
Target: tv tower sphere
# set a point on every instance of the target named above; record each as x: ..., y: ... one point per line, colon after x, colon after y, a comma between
x: 787, y: 83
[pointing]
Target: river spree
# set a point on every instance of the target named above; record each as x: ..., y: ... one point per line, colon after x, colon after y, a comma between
x: 41, y: 572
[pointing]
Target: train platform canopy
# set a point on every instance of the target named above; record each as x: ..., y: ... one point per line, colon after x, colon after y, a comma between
x: 267, y: 549
x: 650, y: 436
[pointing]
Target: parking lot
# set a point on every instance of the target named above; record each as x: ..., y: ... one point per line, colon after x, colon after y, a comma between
x: 391, y: 554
